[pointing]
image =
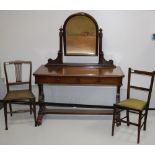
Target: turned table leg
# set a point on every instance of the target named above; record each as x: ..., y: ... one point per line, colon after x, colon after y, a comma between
x: 41, y: 104
x: 117, y: 101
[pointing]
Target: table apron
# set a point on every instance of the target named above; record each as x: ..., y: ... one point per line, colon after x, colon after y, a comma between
x: 78, y: 80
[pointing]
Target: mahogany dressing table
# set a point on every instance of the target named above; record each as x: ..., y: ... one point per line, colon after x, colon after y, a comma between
x: 56, y: 72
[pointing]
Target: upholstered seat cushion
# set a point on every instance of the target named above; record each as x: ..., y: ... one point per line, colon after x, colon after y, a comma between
x: 18, y: 95
x: 133, y: 103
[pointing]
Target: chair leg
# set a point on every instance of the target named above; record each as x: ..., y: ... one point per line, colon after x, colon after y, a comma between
x: 10, y: 106
x: 139, y: 127
x: 127, y: 115
x: 5, y: 115
x: 113, y: 122
x: 145, y: 119
x: 34, y: 112
x: 31, y: 109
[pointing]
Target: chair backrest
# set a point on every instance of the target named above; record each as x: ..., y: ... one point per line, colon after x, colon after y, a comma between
x: 18, y: 73
x: 131, y: 73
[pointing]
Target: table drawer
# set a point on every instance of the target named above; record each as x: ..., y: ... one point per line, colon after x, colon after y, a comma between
x: 56, y: 80
x: 88, y: 80
x: 64, y: 80
x: 110, y: 80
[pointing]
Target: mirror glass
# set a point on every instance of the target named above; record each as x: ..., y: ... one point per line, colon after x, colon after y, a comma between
x: 80, y: 36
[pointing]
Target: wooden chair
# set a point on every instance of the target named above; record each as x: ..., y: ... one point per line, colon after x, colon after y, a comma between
x: 134, y: 105
x: 19, y: 88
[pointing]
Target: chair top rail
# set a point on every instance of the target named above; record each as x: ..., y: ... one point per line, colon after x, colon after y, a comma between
x: 143, y: 72
x: 18, y: 62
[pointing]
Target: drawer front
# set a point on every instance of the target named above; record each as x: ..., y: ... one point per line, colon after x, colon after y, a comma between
x: 66, y: 80
x: 110, y: 80
x: 56, y: 80
x: 88, y: 80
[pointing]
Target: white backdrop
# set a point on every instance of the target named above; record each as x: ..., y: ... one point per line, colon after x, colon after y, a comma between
x: 33, y: 35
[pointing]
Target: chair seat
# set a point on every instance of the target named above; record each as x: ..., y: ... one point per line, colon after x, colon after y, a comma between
x: 133, y: 103
x: 19, y: 95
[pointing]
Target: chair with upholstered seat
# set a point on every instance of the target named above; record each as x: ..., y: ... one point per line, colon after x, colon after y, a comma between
x: 134, y: 105
x: 18, y: 81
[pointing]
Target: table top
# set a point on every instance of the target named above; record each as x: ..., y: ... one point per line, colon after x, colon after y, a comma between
x: 85, y: 71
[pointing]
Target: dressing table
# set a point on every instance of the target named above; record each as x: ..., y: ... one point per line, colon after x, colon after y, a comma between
x: 80, y: 36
